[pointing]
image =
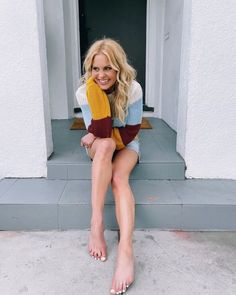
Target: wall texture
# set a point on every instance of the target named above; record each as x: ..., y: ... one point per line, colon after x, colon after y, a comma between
x: 25, y: 141
x: 207, y: 109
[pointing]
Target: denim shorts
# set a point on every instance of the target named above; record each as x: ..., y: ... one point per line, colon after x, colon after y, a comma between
x: 134, y: 146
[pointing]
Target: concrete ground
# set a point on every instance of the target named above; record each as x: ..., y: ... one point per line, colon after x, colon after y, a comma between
x: 56, y: 262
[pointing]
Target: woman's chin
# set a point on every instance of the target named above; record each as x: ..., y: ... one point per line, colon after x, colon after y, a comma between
x: 109, y: 89
x: 105, y: 87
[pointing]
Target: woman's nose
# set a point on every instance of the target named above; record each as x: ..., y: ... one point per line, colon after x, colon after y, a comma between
x: 101, y: 74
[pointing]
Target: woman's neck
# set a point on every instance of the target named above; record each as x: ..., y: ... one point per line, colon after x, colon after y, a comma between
x: 111, y: 89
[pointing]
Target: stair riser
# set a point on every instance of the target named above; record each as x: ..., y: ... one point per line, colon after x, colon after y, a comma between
x: 74, y: 216
x: 157, y: 171
x: 41, y: 204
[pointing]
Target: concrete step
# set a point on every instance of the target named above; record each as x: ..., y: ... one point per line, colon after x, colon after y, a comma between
x: 159, y: 159
x: 82, y: 171
x: 42, y: 204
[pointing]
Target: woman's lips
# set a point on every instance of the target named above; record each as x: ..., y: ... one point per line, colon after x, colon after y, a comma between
x: 103, y: 82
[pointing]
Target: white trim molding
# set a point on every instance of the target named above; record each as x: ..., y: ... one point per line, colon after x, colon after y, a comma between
x: 75, y: 37
x: 154, y: 53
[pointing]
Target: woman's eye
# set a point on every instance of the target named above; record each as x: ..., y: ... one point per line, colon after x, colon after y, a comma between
x: 107, y: 69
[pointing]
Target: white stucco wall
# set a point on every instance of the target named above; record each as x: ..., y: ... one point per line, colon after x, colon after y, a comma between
x: 25, y: 140
x: 207, y: 107
x: 171, y: 61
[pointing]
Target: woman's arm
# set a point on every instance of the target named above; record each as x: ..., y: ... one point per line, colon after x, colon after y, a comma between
x: 101, y: 123
x: 96, y: 112
x: 89, y: 138
x: 95, y: 108
x: 124, y: 135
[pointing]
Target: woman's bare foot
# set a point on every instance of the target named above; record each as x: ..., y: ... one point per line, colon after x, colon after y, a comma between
x: 97, y: 246
x: 124, y: 273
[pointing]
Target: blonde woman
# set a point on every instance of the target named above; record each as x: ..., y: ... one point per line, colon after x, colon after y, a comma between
x: 111, y: 103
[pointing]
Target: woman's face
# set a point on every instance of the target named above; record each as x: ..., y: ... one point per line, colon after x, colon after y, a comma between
x: 102, y: 72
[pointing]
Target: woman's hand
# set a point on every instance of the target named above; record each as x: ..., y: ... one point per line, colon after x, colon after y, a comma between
x: 87, y: 140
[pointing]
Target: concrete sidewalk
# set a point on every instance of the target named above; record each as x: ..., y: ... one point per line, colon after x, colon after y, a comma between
x: 171, y: 263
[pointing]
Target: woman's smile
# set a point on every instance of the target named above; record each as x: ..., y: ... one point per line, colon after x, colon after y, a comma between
x: 102, y: 82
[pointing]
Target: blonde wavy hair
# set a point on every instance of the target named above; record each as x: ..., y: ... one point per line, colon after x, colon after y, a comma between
x: 124, y: 77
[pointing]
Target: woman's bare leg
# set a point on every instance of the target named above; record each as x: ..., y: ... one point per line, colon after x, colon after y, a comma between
x: 101, y: 152
x: 123, y: 164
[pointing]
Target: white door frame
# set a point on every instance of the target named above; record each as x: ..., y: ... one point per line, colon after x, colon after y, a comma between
x: 154, y: 51
x: 75, y: 37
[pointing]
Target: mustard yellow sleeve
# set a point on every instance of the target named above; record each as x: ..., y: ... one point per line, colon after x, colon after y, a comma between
x: 98, y: 101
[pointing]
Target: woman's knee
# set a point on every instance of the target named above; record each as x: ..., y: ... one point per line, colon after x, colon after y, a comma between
x: 119, y: 181
x: 106, y: 146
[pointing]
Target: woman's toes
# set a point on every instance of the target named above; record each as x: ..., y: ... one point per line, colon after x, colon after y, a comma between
x: 119, y: 289
x: 100, y: 255
x: 97, y: 244
x: 123, y: 288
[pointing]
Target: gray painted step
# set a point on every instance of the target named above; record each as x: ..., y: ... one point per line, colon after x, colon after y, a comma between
x: 159, y: 159
x: 41, y: 204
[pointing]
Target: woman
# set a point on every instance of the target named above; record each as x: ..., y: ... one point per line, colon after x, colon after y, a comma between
x: 111, y: 103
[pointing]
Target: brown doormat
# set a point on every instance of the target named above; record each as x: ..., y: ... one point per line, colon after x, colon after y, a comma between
x: 78, y: 124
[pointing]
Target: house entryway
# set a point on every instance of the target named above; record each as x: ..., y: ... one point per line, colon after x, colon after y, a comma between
x: 160, y: 42
x: 124, y: 21
x: 164, y: 199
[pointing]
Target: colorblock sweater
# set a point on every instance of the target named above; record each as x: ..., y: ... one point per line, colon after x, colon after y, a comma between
x: 95, y: 106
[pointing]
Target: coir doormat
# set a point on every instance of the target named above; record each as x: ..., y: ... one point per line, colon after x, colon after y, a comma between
x: 78, y: 124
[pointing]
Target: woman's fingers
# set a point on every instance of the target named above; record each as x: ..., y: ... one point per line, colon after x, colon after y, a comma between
x: 85, y: 144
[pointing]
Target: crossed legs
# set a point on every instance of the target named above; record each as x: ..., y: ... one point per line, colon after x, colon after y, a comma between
x: 104, y: 171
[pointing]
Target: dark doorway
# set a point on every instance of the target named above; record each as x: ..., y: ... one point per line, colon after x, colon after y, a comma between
x: 122, y: 20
